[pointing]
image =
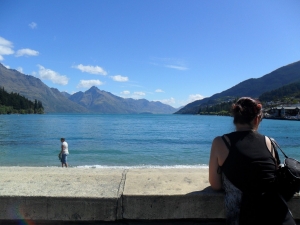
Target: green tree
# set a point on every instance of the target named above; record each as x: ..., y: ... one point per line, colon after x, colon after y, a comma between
x: 15, y: 103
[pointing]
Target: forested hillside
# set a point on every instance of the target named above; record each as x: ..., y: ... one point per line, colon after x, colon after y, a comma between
x: 223, y: 109
x: 287, y: 95
x: 15, y: 103
x: 287, y: 91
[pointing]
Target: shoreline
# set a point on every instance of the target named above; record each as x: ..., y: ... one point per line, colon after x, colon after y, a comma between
x: 280, y: 118
x: 202, y: 166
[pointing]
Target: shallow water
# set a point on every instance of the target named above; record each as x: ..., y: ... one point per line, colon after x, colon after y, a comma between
x: 124, y: 140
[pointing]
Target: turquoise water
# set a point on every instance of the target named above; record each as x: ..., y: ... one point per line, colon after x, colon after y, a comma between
x: 124, y: 140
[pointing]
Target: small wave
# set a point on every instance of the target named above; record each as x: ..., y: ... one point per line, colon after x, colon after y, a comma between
x: 200, y: 166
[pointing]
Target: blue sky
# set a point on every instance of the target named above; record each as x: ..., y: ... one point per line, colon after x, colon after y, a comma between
x: 174, y: 51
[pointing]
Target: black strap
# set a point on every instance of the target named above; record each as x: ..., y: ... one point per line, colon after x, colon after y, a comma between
x: 226, y: 143
x: 274, y: 149
x: 275, y: 145
x: 219, y: 171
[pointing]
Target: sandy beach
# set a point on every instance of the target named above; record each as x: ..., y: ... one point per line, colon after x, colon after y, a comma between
x: 96, y: 182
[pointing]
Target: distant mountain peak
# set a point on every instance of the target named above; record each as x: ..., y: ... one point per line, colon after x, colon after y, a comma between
x: 33, y: 88
x: 93, y: 100
x: 99, y: 101
x: 94, y: 88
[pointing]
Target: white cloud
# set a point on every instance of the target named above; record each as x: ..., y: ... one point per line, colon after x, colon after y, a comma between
x: 134, y: 95
x: 119, y: 78
x: 172, y: 63
x: 191, y: 98
x: 91, y: 69
x: 5, y: 42
x: 195, y: 97
x: 32, y: 25
x: 20, y: 69
x: 7, y: 66
x: 56, y: 78
x: 169, y: 101
x: 6, y: 48
x: 125, y: 93
x: 139, y: 93
x: 89, y: 83
x: 159, y: 91
x: 26, y: 51
x: 176, y: 67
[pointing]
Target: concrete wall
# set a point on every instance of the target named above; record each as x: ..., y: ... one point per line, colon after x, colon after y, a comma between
x: 55, y: 194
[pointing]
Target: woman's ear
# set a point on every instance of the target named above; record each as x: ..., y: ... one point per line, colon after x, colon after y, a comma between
x: 256, y: 121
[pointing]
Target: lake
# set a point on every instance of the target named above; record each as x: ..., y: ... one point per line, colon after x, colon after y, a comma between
x: 97, y: 140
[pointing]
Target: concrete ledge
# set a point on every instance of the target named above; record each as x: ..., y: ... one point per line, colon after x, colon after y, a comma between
x: 173, y: 207
x: 119, y: 222
x: 112, y: 195
x: 53, y: 208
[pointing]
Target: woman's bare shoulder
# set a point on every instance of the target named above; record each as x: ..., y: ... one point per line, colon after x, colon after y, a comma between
x: 219, y: 149
x: 218, y: 141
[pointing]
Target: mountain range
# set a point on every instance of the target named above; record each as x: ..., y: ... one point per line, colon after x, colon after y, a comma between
x: 253, y: 87
x: 33, y: 88
x: 96, y: 100
x: 99, y: 101
x: 91, y: 101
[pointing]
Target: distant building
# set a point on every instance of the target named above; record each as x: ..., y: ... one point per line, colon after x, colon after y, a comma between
x: 284, y: 112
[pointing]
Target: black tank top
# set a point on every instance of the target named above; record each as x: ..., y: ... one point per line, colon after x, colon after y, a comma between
x: 250, y: 165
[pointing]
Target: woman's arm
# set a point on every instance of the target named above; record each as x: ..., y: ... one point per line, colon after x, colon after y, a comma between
x: 271, y: 149
x: 215, y: 178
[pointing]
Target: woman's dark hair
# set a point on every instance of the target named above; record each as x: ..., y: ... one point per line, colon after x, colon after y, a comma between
x: 245, y: 110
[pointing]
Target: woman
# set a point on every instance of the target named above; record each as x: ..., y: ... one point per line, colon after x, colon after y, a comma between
x: 243, y: 164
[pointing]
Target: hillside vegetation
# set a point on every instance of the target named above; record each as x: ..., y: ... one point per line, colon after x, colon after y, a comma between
x: 288, y: 93
x: 15, y: 103
x: 220, y: 109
